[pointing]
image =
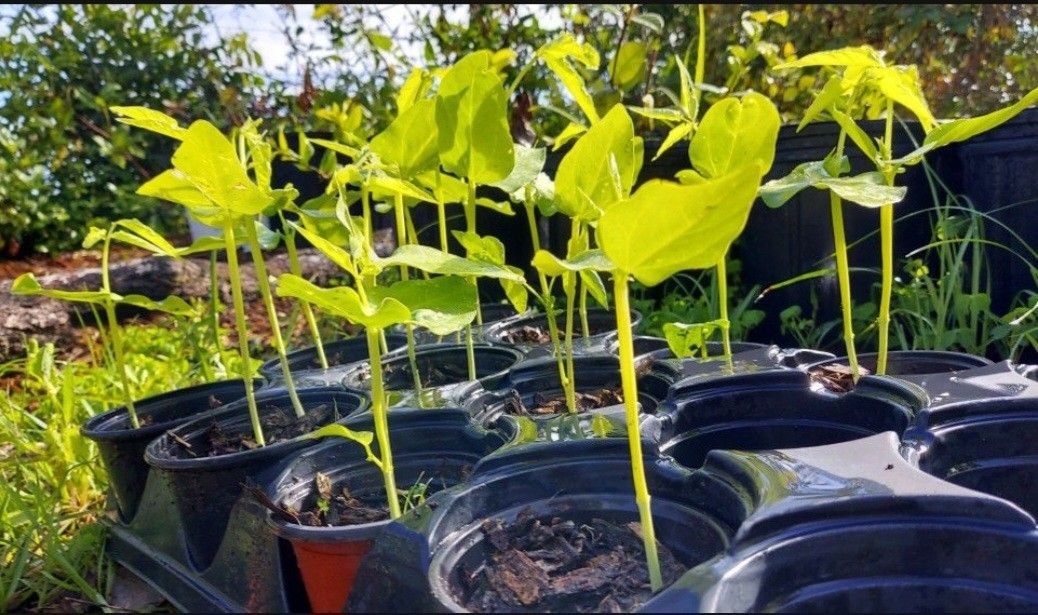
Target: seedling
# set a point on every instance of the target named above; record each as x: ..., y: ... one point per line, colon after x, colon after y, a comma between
x: 442, y: 304
x: 135, y: 233
x: 864, y: 82
x: 210, y: 180
x: 663, y: 228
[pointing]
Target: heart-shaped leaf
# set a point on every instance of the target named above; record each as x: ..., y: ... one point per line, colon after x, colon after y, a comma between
x: 442, y: 305
x: 735, y: 131
x: 210, y: 163
x: 867, y: 189
x: 345, y: 302
x: 410, y: 142
x: 338, y: 430
x: 665, y: 227
x: 149, y: 119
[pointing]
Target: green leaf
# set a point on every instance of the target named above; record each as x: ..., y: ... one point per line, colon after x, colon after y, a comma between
x: 410, y: 142
x: 529, y: 161
x: 345, y: 302
x: 516, y: 292
x: 442, y: 304
x: 170, y: 305
x: 337, y: 147
x: 666, y: 227
x: 848, y: 56
x: 338, y: 430
x: 93, y: 237
x: 27, y: 284
x: 667, y: 116
x: 628, y: 66
x: 471, y: 117
x: 149, y: 119
x: 488, y: 249
x: 675, y: 135
x: 824, y: 101
x: 570, y: 132
x: 336, y: 254
x: 593, y: 283
x: 414, y: 88
x: 855, y: 132
x: 432, y: 260
x: 589, y: 260
x: 386, y: 185
x: 901, y: 85
x: 867, y: 189
x: 965, y: 128
x: 584, y: 182
x: 735, y: 131
x: 210, y: 163
x: 687, y: 340
x: 171, y: 185
x: 557, y: 55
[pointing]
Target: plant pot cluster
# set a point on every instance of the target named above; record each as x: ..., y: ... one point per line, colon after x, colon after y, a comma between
x: 770, y: 491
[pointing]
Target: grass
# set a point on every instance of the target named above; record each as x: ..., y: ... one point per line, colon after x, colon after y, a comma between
x: 52, y: 483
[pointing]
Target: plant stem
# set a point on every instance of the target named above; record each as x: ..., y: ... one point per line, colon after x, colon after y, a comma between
x: 571, y: 385
x: 272, y: 315
x: 365, y: 202
x: 844, y: 275
x: 843, y: 271
x: 886, y: 237
x: 214, y: 300
x: 402, y: 239
x: 381, y: 419
x: 308, y: 311
x: 722, y: 300
x: 441, y: 222
x: 115, y: 332
x: 549, y: 301
x: 234, y: 275
x: 470, y: 227
x: 630, y: 392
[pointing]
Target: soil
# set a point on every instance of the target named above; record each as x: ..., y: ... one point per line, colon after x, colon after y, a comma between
x: 529, y: 334
x: 545, y: 405
x: 397, y: 375
x: 836, y: 377
x: 556, y: 565
x: 279, y: 424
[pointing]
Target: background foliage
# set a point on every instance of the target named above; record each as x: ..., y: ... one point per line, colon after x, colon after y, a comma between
x: 65, y: 165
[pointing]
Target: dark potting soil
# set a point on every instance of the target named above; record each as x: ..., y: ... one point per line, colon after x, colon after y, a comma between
x: 556, y: 565
x: 529, y: 334
x: 342, y: 508
x: 544, y: 405
x: 836, y: 377
x: 279, y: 424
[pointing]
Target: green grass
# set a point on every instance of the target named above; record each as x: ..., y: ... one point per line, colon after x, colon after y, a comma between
x: 52, y: 483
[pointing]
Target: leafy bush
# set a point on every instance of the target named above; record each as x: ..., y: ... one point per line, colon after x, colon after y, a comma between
x: 66, y: 164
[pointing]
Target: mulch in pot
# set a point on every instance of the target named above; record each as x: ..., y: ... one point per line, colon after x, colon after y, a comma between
x: 279, y: 424
x: 557, y: 565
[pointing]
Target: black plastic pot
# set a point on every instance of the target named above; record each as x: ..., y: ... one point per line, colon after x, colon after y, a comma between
x: 204, y: 489
x: 440, y: 446
x: 338, y: 353
x: 450, y: 361
x: 778, y: 409
x: 601, y: 322
x: 415, y: 564
x: 537, y: 380
x: 122, y: 447
x: 990, y: 446
x: 914, y: 362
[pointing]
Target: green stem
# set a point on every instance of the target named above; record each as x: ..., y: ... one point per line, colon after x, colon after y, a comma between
x: 308, y: 311
x: 381, y: 419
x: 441, y: 222
x: 722, y: 301
x: 115, y: 332
x: 402, y: 239
x: 630, y: 392
x: 570, y: 385
x: 272, y: 315
x: 234, y: 275
x: 549, y: 301
x: 365, y: 202
x: 886, y: 238
x: 470, y: 227
x: 214, y: 300
x: 843, y: 273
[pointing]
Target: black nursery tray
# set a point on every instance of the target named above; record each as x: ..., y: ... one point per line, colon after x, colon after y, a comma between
x: 910, y: 493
